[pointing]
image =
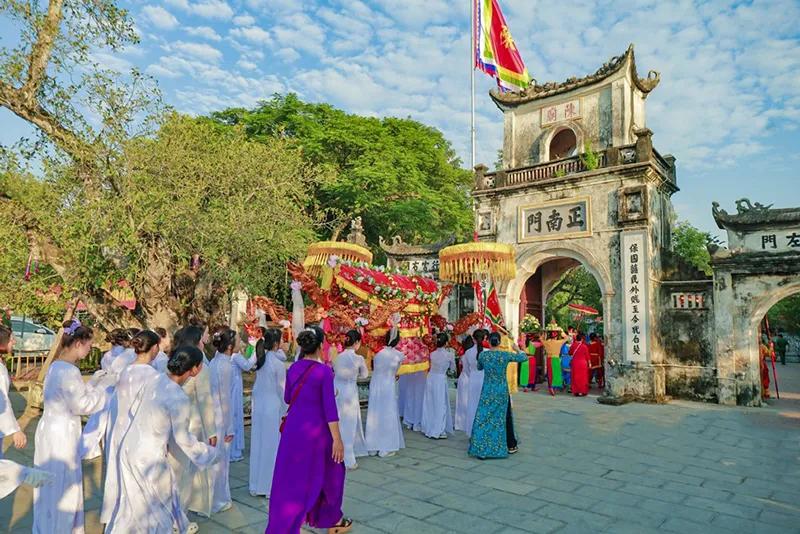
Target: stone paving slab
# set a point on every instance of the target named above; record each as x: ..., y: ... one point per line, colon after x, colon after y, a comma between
x: 582, y: 467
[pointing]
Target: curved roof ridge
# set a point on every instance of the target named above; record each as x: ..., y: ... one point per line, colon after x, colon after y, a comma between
x: 612, y: 66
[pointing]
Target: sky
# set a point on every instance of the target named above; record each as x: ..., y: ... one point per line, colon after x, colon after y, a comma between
x: 727, y: 107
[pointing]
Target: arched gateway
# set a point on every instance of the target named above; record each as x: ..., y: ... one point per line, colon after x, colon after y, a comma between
x: 607, y: 207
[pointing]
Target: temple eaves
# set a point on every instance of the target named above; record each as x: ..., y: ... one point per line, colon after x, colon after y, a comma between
x: 612, y: 66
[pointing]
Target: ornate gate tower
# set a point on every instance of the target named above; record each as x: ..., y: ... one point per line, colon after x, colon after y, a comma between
x: 583, y: 184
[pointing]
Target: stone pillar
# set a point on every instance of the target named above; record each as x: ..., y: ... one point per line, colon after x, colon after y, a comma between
x: 479, y: 177
x: 644, y: 144
x: 500, y: 179
x: 673, y: 173
x: 727, y: 377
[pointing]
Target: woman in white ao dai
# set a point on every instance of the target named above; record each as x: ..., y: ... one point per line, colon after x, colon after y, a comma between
x: 268, y: 408
x: 58, y: 508
x: 349, y: 366
x: 148, y: 501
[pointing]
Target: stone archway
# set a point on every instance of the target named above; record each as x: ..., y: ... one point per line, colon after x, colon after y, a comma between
x: 531, y: 257
x: 761, y: 307
x: 760, y: 267
x: 548, y: 137
x: 738, y: 355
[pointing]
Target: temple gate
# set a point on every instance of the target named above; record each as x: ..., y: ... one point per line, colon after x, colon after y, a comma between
x: 583, y: 184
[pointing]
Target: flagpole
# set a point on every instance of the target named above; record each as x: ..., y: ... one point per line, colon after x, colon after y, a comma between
x: 473, y: 25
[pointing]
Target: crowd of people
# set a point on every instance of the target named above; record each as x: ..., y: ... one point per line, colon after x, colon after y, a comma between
x: 167, y: 421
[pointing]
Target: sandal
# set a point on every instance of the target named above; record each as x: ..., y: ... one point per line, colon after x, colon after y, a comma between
x: 513, y: 450
x: 343, y: 526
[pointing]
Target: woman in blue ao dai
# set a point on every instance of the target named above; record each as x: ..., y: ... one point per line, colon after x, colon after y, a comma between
x: 493, y: 434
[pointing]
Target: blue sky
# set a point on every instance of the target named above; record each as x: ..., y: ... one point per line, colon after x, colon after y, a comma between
x: 728, y: 106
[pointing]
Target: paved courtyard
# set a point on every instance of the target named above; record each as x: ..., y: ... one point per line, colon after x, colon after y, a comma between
x: 582, y: 467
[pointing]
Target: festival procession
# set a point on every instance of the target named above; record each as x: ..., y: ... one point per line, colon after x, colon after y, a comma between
x: 204, y: 329
x: 169, y: 422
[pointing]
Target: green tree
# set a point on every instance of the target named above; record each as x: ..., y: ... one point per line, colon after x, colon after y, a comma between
x: 43, y: 297
x: 136, y: 192
x: 189, y: 190
x: 576, y: 286
x: 785, y: 315
x: 402, y: 177
x: 690, y: 243
x: 498, y: 163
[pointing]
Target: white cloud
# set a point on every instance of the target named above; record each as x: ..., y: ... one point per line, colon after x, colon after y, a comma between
x: 160, y: 17
x: 110, y: 61
x: 197, y: 50
x: 277, y: 6
x: 288, y: 55
x: 244, y: 20
x: 204, y: 32
x: 246, y: 64
x: 213, y: 9
x: 158, y: 71
x: 180, y: 4
x: 300, y: 32
x: 729, y: 70
x: 254, y: 34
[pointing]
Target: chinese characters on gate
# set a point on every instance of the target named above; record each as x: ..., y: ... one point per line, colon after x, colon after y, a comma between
x: 550, y: 220
x: 635, y: 284
x: 561, y: 112
x: 773, y: 241
x: 421, y: 266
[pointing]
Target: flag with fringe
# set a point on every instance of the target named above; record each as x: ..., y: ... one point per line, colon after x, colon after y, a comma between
x: 496, y: 53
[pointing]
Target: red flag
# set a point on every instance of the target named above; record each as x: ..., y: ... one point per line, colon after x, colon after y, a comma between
x: 493, y: 312
x: 496, y: 53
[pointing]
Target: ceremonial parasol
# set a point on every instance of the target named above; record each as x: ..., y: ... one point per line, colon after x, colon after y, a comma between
x: 319, y: 254
x: 584, y: 310
x: 470, y: 262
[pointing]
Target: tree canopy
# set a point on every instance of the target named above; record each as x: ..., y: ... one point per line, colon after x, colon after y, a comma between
x: 576, y: 286
x: 125, y: 189
x: 690, y: 243
x: 190, y: 189
x: 402, y: 177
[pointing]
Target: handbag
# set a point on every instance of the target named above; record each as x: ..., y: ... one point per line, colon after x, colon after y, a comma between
x: 294, y: 395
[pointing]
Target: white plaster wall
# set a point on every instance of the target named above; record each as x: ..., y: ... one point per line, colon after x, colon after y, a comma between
x: 522, y: 124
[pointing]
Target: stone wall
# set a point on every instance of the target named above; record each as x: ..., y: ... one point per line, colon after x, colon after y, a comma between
x: 689, y: 345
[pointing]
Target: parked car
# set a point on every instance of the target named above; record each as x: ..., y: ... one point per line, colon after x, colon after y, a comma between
x: 31, y: 337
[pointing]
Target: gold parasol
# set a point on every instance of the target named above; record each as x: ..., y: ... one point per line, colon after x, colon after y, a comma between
x: 469, y: 262
x: 320, y: 253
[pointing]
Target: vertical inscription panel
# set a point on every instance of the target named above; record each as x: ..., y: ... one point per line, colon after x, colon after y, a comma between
x: 635, y: 284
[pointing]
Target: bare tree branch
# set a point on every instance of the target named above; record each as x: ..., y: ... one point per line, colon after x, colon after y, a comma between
x: 40, y: 55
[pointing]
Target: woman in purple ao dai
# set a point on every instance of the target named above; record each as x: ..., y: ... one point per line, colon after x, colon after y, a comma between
x: 308, y: 483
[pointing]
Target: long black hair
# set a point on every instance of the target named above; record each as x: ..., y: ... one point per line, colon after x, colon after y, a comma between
x: 269, y: 338
x: 479, y: 336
